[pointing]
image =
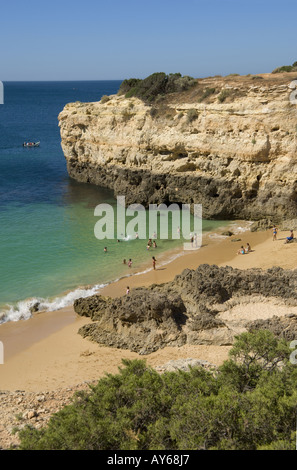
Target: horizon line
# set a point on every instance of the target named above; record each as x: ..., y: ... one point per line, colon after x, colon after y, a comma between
x: 69, y: 80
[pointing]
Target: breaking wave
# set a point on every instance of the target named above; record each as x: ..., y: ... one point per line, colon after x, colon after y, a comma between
x: 24, y: 309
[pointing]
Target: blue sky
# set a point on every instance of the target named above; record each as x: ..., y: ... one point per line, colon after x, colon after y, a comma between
x: 117, y: 39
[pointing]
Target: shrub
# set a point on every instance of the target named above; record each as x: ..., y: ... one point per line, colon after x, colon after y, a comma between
x: 208, y: 92
x: 249, y: 403
x: 156, y: 85
x: 177, y: 83
x: 192, y: 115
x: 127, y: 84
x: 127, y: 115
x: 105, y: 99
x: 286, y: 68
x: 223, y: 95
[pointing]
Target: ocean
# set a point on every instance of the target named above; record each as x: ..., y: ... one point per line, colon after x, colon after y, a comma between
x: 49, y: 253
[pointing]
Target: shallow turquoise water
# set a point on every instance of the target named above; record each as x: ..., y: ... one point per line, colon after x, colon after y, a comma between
x: 47, y: 242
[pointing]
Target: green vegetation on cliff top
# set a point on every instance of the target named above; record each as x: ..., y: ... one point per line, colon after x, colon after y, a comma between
x: 157, y: 84
x: 286, y: 68
x: 249, y: 403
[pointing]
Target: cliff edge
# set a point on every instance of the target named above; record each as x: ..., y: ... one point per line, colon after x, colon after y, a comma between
x: 228, y: 143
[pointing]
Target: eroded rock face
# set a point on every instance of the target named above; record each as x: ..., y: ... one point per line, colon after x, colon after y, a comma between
x: 143, y: 321
x: 198, y: 307
x: 282, y: 327
x: 237, y: 157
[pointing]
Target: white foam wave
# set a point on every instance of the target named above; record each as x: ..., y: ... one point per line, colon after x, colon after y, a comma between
x: 23, y: 309
x: 236, y: 228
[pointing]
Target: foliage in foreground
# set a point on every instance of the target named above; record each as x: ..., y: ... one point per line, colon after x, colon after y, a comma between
x: 156, y: 85
x: 249, y: 403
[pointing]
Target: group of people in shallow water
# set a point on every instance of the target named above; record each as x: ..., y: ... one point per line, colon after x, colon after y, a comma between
x: 150, y: 243
x: 129, y: 262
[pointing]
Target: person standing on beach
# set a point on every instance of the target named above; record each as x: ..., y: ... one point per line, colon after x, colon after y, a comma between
x: 154, y: 262
x: 274, y: 232
x: 128, y: 290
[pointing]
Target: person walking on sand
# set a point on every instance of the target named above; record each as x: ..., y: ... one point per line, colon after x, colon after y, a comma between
x: 128, y: 290
x: 154, y: 262
x: 274, y: 233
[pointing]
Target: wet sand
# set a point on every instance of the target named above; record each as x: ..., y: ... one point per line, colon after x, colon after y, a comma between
x: 46, y: 353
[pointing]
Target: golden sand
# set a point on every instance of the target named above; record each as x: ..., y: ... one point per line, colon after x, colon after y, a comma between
x: 46, y: 353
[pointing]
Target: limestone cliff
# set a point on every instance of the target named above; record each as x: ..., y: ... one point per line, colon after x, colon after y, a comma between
x: 228, y: 143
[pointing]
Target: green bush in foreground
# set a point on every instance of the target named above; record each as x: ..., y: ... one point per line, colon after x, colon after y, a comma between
x: 248, y: 403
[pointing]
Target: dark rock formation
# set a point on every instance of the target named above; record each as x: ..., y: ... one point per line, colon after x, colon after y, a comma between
x: 282, y: 327
x: 144, y: 321
x: 186, y: 310
x: 93, y: 306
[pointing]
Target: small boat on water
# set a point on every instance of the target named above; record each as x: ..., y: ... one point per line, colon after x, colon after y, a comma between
x: 31, y: 144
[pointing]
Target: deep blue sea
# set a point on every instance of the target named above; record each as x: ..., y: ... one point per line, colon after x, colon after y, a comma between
x: 47, y: 245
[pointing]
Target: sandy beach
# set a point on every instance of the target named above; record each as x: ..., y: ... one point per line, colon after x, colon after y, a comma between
x: 46, y: 353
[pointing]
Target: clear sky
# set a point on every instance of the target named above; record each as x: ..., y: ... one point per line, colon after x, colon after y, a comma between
x: 117, y: 39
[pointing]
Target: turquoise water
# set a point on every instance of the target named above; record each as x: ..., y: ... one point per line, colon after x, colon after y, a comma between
x: 48, y: 248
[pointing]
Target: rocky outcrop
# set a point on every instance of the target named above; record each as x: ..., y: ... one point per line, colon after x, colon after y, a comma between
x: 282, y: 327
x: 140, y: 322
x: 233, y: 149
x: 21, y: 408
x: 200, y: 307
